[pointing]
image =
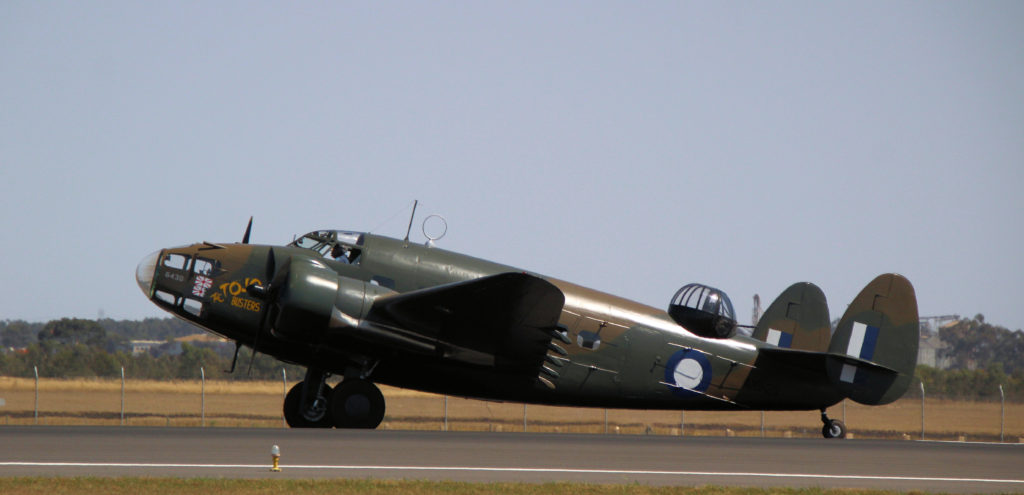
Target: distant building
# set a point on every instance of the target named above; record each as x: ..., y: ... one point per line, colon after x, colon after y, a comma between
x: 929, y: 351
x: 202, y: 337
x: 143, y: 346
x: 931, y: 347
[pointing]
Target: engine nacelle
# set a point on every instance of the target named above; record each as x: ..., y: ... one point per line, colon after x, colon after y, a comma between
x: 313, y: 297
x: 355, y: 297
x: 306, y: 298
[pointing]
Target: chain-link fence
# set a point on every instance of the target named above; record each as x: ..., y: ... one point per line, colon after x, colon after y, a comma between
x: 128, y: 402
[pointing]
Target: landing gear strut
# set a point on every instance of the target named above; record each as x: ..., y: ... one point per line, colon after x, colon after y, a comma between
x: 833, y: 428
x: 354, y: 403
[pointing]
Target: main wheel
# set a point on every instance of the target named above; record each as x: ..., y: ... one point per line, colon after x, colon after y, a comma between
x: 834, y: 429
x: 315, y: 416
x: 357, y: 404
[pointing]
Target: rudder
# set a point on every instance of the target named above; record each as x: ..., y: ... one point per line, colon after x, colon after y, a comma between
x: 873, y: 353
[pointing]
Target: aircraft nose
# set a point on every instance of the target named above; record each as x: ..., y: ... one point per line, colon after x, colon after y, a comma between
x: 145, y: 271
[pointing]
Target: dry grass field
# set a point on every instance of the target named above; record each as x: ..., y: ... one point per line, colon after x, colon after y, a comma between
x: 258, y: 404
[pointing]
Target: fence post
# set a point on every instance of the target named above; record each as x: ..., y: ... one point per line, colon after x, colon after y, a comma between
x: 1002, y: 412
x: 122, y: 396
x: 605, y: 421
x: 922, y: 410
x: 35, y: 369
x: 284, y: 394
x: 762, y: 424
x: 524, y: 418
x: 682, y: 421
x: 202, y: 406
x: 446, y: 413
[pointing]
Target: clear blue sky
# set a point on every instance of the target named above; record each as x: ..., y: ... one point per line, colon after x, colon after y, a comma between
x: 628, y: 147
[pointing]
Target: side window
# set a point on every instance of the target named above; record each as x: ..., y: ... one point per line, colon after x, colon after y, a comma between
x: 307, y: 242
x: 193, y: 306
x: 166, y: 297
x: 176, y: 261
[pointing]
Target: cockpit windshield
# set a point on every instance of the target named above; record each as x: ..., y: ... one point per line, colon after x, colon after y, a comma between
x: 338, y: 245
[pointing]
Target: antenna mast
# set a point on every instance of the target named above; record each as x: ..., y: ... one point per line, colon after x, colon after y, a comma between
x: 411, y: 217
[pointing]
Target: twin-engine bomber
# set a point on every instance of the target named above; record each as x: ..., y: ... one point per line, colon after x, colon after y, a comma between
x: 373, y: 309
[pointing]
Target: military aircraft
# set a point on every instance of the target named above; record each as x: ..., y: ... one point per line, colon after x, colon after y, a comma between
x: 374, y: 309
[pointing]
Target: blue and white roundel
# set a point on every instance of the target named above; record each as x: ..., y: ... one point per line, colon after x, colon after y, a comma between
x: 689, y: 371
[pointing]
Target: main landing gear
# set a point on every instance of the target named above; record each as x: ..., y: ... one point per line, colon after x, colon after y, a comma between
x: 832, y: 428
x: 354, y: 403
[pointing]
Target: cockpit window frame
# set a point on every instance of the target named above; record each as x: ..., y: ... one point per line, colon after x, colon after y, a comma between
x: 323, y: 243
x: 698, y: 297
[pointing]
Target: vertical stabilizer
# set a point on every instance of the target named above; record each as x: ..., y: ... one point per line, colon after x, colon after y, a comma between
x: 874, y: 350
x: 797, y: 319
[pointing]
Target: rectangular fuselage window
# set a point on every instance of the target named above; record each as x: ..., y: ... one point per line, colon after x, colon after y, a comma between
x: 176, y: 261
x: 166, y: 297
x: 193, y: 306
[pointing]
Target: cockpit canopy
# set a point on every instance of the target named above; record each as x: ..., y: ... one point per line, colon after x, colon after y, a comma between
x: 338, y: 245
x: 703, y: 310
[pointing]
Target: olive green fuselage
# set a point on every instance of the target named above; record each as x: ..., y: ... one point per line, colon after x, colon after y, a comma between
x: 619, y: 353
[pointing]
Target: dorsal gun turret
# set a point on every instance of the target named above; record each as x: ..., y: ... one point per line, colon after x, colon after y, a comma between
x: 703, y: 310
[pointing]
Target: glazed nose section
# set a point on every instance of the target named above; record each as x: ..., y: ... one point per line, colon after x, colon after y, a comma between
x: 145, y: 271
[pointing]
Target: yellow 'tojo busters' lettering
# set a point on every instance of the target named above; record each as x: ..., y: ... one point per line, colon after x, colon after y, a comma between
x: 236, y: 287
x: 246, y: 304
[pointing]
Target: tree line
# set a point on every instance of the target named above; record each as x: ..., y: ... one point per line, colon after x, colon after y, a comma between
x: 975, y: 344
x: 73, y: 348
x: 964, y: 384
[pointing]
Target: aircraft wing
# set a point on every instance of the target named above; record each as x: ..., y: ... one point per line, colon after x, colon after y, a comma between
x: 502, y: 320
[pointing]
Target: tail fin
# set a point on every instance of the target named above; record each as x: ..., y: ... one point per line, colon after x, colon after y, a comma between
x: 797, y: 319
x: 873, y: 352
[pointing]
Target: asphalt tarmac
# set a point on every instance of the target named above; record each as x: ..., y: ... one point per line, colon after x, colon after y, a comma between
x: 488, y: 457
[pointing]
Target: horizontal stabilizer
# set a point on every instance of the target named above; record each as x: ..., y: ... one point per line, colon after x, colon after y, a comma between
x: 859, y: 365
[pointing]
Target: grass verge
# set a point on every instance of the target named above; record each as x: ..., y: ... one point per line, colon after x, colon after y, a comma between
x: 118, y: 486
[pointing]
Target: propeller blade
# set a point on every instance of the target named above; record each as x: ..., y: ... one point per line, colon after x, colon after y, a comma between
x: 251, y: 360
x: 269, y: 296
x: 248, y: 230
x: 234, y: 361
x: 271, y: 265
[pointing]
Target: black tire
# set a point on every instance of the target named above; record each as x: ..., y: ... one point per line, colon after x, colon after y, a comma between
x: 357, y: 404
x: 294, y: 417
x: 834, y: 429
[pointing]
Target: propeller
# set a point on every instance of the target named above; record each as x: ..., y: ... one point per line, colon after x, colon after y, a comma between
x: 268, y: 294
x: 248, y: 230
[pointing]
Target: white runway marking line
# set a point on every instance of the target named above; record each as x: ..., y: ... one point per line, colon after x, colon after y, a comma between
x: 518, y: 470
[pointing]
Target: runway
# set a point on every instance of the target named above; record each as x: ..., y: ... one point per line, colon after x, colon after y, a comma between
x: 487, y: 457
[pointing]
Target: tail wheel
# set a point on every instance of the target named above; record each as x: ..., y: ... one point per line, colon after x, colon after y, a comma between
x: 315, y: 415
x: 356, y: 404
x: 834, y: 429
